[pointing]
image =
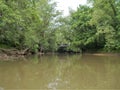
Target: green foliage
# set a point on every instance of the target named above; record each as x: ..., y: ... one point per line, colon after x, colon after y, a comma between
x: 96, y: 27
x: 104, y: 17
x: 37, y: 25
x: 26, y: 23
x: 83, y: 32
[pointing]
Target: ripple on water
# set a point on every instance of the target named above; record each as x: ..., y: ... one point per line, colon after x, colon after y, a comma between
x: 57, y: 83
x: 1, y: 88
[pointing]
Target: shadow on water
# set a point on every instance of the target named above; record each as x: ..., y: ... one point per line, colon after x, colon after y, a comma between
x: 54, y: 72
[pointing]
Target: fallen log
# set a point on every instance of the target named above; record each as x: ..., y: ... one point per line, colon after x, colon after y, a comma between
x: 14, y: 51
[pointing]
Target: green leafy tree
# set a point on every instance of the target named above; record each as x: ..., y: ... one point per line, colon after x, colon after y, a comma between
x: 26, y: 23
x: 83, y: 32
x: 105, y: 17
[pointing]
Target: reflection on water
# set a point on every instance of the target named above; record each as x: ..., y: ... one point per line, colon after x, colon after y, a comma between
x: 68, y: 72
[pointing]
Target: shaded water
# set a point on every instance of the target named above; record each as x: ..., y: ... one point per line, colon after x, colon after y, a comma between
x: 66, y: 72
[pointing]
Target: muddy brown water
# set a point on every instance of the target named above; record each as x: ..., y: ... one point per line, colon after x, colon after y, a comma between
x: 61, y: 72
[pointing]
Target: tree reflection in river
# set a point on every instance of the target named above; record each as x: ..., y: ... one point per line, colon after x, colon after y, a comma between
x: 53, y: 72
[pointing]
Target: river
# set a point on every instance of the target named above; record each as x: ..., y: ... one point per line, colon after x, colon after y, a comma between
x: 61, y: 72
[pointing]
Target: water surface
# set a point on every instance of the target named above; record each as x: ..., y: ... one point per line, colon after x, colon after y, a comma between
x: 66, y: 72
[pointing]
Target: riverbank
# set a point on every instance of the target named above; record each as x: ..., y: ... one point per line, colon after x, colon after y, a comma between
x: 13, y: 54
x: 5, y: 57
x: 103, y: 54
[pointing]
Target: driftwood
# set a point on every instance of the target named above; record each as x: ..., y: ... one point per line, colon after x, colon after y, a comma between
x: 23, y: 52
x: 14, y: 51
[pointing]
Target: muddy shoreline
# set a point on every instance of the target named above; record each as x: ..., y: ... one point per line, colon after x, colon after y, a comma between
x: 14, y: 54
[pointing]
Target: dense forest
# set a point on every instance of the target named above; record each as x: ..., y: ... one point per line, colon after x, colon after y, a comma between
x: 37, y: 25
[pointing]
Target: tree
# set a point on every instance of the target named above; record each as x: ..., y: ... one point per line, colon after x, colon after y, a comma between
x: 26, y: 23
x: 105, y: 18
x: 83, y: 32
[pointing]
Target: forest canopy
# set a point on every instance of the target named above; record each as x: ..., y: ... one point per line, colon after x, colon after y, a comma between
x: 37, y: 25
